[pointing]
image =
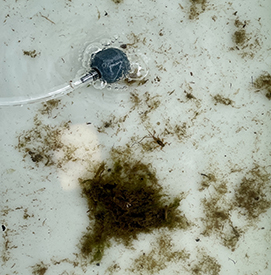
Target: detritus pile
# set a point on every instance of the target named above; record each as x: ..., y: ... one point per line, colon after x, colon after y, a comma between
x: 125, y: 200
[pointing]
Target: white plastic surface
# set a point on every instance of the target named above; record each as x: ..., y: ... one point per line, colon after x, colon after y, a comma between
x: 191, y: 61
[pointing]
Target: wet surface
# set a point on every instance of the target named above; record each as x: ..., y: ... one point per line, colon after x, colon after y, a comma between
x: 195, y: 129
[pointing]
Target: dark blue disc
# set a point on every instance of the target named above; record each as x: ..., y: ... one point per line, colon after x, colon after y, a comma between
x: 111, y: 63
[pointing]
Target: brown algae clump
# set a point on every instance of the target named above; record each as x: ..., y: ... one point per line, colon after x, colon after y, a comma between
x: 123, y: 201
x: 263, y: 82
x: 253, y: 196
x: 196, y: 8
x: 240, y: 37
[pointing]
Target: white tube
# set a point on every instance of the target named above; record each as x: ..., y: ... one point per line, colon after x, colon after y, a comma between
x: 58, y: 91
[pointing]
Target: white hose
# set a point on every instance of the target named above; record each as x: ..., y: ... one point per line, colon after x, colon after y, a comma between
x: 58, y: 91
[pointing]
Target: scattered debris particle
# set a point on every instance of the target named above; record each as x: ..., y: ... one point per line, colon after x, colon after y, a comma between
x: 112, y: 123
x: 240, y: 37
x: 196, y: 8
x: 45, y: 17
x: 246, y: 43
x: 113, y: 268
x: 156, y: 142
x: 189, y: 95
x: 49, y: 106
x: 179, y: 130
x: 32, y: 54
x: 7, y: 245
x: 207, y: 180
x: 131, y: 81
x: 217, y: 211
x: 123, y: 46
x: 223, y: 100
x: 238, y: 23
x: 107, y: 124
x: 253, y: 195
x: 26, y: 214
x: 146, y: 103
x: 161, y: 33
x: 161, y: 254
x: 216, y: 214
x: 99, y: 14
x: 205, y: 265
x: 117, y: 1
x: 263, y: 83
x: 40, y: 143
x: 231, y: 236
x: 39, y: 269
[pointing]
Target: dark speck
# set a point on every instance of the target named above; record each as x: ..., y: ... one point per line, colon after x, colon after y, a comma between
x: 123, y: 46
